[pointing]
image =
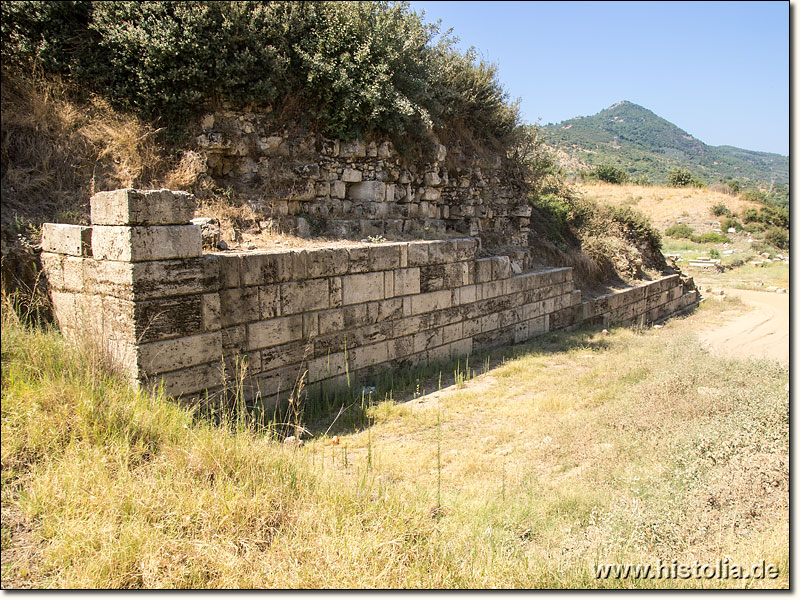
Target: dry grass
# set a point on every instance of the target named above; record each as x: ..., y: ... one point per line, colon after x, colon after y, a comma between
x: 57, y: 151
x: 583, y: 448
x: 665, y: 205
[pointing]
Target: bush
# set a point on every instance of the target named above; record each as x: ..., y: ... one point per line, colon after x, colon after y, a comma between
x: 680, y: 231
x: 609, y: 174
x: 714, y: 253
x: 754, y: 196
x: 710, y: 238
x: 734, y: 186
x: 679, y: 177
x: 347, y: 68
x: 777, y: 237
x: 720, y: 210
x: 728, y: 222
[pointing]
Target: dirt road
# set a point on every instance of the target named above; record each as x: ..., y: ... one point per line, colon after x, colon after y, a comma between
x: 763, y: 332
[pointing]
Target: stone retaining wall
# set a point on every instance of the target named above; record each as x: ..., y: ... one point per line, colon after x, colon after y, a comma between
x: 357, y: 189
x: 138, y: 282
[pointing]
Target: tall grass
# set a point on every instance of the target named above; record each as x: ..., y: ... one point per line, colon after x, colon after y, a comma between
x: 578, y: 448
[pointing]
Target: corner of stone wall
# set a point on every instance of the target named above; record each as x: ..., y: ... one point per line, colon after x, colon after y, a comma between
x: 137, y: 284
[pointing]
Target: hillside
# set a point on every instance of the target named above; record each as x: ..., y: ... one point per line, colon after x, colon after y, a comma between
x: 637, y: 140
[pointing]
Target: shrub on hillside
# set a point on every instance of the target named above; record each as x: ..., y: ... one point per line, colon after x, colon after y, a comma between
x: 720, y: 209
x: 710, y: 238
x: 777, y: 237
x: 609, y: 174
x: 679, y: 231
x: 678, y: 177
x: 729, y: 222
x: 348, y: 68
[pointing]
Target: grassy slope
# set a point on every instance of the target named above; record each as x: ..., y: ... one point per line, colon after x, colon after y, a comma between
x: 582, y: 448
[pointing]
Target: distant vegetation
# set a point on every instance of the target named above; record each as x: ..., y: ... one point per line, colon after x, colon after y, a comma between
x: 639, y: 142
x: 346, y: 68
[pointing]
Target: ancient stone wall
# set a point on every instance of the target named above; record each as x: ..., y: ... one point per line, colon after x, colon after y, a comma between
x: 359, y: 189
x: 137, y: 282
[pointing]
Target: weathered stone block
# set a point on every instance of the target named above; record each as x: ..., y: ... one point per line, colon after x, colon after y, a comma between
x: 229, y: 270
x: 188, y: 382
x: 260, y: 269
x: 74, y: 240
x: 443, y: 251
x: 286, y: 354
x: 269, y: 301
x: 362, y: 287
x: 384, y: 257
x: 136, y: 244
x: 501, y: 267
x: 423, y: 303
x: 325, y: 262
x: 179, y: 353
x: 483, y: 270
x: 467, y: 249
x: 274, y: 332
x: 331, y: 321
x: 302, y: 296
x: 352, y: 175
x: 142, y: 207
x: 239, y: 305
x: 367, y: 191
x: 358, y: 259
x: 407, y: 281
x: 417, y: 254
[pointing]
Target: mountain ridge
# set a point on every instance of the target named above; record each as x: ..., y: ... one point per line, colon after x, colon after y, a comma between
x: 634, y: 138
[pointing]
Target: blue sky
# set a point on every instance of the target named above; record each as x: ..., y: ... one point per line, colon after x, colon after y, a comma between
x: 719, y: 70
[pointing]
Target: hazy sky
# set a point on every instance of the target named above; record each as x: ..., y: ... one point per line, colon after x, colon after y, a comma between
x: 719, y: 70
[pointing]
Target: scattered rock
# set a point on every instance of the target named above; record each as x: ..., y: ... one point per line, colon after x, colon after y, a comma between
x: 223, y: 245
x: 293, y: 441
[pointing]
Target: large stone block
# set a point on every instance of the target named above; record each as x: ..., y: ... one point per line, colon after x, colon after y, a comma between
x: 74, y: 240
x: 406, y: 281
x: 362, y: 287
x: 384, y: 257
x: 274, y: 332
x: 142, y: 207
x: 431, y: 301
x: 188, y: 382
x: 239, y: 305
x: 260, y: 268
x: 325, y: 262
x: 179, y: 353
x: 367, y: 191
x: 303, y: 296
x: 138, y: 244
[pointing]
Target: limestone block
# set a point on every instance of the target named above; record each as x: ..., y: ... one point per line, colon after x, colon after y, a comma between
x: 501, y: 267
x: 425, y: 340
x: 366, y: 356
x: 417, y: 254
x: 324, y: 262
x: 274, y: 332
x: 442, y: 276
x: 142, y: 207
x: 74, y: 240
x: 303, y: 296
x: 239, y: 305
x: 188, y: 382
x: 327, y: 366
x: 331, y: 321
x: 423, y: 303
x: 229, y: 270
x: 152, y: 320
x: 210, y: 312
x: 355, y: 316
x: 467, y: 249
x: 335, y: 294
x: 53, y: 270
x: 286, y: 354
x: 269, y: 301
x: 74, y: 274
x: 385, y: 310
x: 352, y: 175
x: 179, y: 353
x: 443, y: 251
x: 483, y: 270
x: 407, y: 281
x: 338, y: 189
x: 362, y: 287
x: 136, y: 244
x: 367, y: 191
x: 358, y: 259
x: 310, y: 326
x: 384, y: 257
x: 234, y: 339
x: 462, y: 347
x: 260, y: 269
x: 452, y: 333
x: 431, y: 194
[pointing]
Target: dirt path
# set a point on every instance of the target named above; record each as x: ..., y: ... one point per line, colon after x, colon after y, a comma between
x: 761, y: 333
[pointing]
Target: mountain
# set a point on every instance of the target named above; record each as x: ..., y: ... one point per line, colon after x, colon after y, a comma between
x: 637, y: 140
